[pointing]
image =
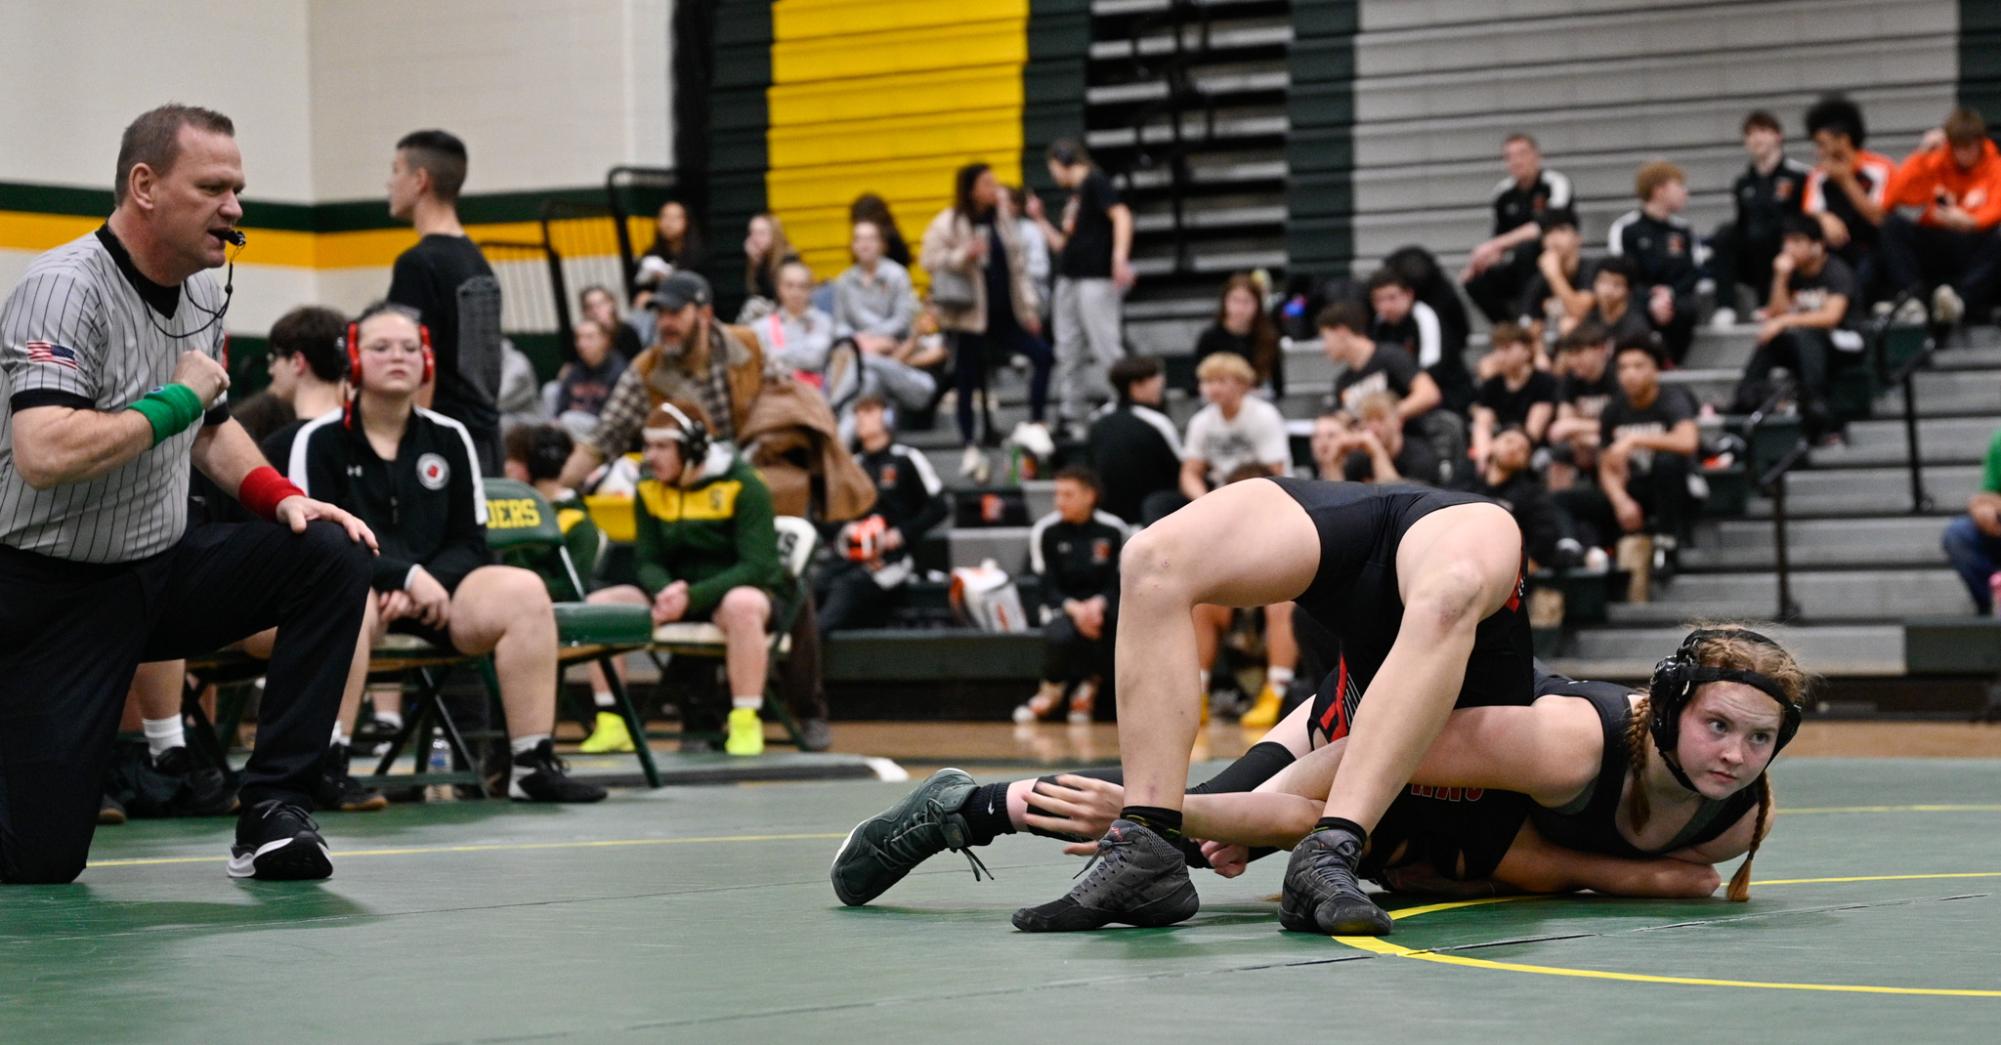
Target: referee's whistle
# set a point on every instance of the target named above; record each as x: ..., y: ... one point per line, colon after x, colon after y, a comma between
x: 234, y: 236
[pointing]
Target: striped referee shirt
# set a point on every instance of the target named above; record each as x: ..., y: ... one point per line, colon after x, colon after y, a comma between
x: 85, y: 329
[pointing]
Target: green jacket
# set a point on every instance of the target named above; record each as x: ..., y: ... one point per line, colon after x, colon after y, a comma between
x: 715, y: 533
x: 584, y: 541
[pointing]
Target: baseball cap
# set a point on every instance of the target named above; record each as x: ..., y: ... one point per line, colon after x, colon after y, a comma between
x: 680, y: 290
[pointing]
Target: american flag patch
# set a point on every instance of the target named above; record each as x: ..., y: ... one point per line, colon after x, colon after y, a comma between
x: 47, y: 352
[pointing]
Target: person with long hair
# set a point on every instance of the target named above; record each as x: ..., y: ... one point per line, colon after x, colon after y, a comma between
x: 676, y: 240
x: 1243, y: 327
x: 975, y: 243
x: 873, y: 208
x: 765, y: 251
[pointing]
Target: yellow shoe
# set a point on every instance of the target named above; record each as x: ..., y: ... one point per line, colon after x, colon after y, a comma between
x: 746, y: 733
x: 609, y: 736
x: 1264, y: 712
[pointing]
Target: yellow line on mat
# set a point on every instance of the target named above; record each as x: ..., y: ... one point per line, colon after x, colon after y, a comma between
x: 1376, y: 945
x: 1990, y: 808
x: 495, y: 847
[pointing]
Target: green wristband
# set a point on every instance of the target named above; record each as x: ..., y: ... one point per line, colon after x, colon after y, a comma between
x: 170, y: 410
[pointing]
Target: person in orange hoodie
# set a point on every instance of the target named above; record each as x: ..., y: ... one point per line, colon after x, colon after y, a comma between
x: 1953, y: 182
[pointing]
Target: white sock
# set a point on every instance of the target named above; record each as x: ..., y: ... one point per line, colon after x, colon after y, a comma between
x: 603, y: 700
x: 753, y: 702
x: 392, y: 719
x: 339, y: 736
x: 1278, y: 678
x: 1204, y: 690
x: 522, y: 745
x: 164, y: 734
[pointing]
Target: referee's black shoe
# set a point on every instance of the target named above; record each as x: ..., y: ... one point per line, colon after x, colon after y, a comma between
x: 539, y: 776
x: 1322, y: 894
x: 1136, y: 878
x: 278, y: 841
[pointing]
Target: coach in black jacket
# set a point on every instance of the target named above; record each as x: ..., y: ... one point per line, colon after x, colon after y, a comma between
x: 411, y: 474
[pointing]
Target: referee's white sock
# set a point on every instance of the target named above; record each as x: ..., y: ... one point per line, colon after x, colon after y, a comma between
x: 164, y: 734
x: 523, y: 745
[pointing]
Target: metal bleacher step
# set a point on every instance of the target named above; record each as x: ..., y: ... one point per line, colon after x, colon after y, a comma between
x: 1213, y: 83
x: 1823, y: 595
x: 1880, y: 442
x: 1243, y: 123
x: 1868, y: 491
x: 1199, y: 216
x: 1629, y: 653
x: 1234, y: 35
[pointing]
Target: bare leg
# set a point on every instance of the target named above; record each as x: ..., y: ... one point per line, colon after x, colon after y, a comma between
x: 1164, y: 572
x: 1281, y: 649
x: 624, y: 594
x: 505, y: 610
x: 743, y: 615
x: 1211, y: 624
x: 156, y: 688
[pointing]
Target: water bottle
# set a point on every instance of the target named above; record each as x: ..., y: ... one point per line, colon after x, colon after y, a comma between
x: 441, y: 761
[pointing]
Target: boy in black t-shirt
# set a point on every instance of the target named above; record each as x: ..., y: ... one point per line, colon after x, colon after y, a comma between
x: 1562, y: 282
x: 1377, y: 452
x: 1614, y: 307
x: 1403, y: 321
x: 1806, y: 324
x: 1517, y: 395
x: 1770, y: 190
x: 447, y: 281
x: 1647, y: 441
x: 1093, y: 271
x: 1371, y: 367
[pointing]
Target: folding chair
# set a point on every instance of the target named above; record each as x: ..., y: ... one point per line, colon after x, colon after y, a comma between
x: 797, y: 540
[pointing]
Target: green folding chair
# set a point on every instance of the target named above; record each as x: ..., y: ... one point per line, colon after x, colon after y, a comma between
x: 521, y: 523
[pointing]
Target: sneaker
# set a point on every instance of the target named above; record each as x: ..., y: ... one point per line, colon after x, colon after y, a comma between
x: 884, y: 848
x: 1723, y: 319
x: 1947, y: 307
x: 1264, y: 711
x: 1083, y: 703
x: 203, y: 791
x: 373, y: 735
x: 1910, y: 314
x: 1322, y: 894
x: 1136, y: 878
x: 1039, y: 707
x: 111, y: 811
x: 278, y: 841
x: 609, y: 736
x: 1034, y: 437
x: 746, y: 733
x: 539, y: 776
x: 973, y: 465
x: 815, y: 735
x: 338, y: 791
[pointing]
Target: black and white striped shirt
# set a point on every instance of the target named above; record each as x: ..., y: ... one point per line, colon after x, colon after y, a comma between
x: 78, y: 331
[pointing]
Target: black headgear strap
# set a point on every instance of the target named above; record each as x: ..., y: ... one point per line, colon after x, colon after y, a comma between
x: 1674, y: 683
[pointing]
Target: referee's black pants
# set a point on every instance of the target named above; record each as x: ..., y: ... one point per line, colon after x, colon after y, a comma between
x: 72, y: 634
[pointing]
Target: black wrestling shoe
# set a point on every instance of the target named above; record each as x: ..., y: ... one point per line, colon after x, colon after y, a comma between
x: 338, y: 791
x: 882, y: 849
x: 278, y: 841
x: 1322, y: 894
x: 547, y: 779
x: 111, y: 811
x: 1137, y: 878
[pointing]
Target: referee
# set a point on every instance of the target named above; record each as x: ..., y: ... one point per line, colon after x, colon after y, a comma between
x: 110, y: 384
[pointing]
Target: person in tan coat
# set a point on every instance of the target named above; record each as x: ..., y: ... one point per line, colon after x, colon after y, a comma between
x: 985, y: 300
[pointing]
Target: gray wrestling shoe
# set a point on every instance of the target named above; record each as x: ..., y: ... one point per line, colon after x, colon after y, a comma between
x: 882, y: 849
x: 1137, y: 878
x: 1322, y: 894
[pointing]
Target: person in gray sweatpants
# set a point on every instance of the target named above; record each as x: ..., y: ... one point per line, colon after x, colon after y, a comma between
x: 1093, y: 271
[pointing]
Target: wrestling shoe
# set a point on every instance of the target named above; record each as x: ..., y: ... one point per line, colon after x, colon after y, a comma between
x: 1136, y: 878
x: 1039, y: 706
x: 111, y: 811
x: 746, y: 733
x: 537, y: 775
x: 609, y: 736
x: 1264, y: 712
x: 337, y: 790
x: 884, y: 848
x: 278, y: 841
x: 1322, y: 894
x: 1083, y: 703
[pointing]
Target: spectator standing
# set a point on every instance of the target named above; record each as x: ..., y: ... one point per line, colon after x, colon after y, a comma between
x: 1242, y: 327
x: 972, y: 245
x: 1075, y: 550
x: 1973, y: 541
x: 1771, y: 189
x: 447, y: 281
x: 1034, y: 247
x: 1236, y: 429
x: 1518, y: 395
x: 1953, y: 249
x: 874, y: 209
x: 1806, y: 323
x: 1401, y: 320
x: 1134, y: 447
x: 1845, y: 189
x: 1662, y: 248
x: 873, y: 560
x: 1501, y: 266
x: 1093, y: 271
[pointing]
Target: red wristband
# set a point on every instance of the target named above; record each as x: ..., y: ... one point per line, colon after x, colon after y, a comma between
x: 262, y: 489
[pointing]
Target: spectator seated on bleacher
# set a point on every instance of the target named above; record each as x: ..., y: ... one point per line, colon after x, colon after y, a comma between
x: 1402, y: 321
x: 1953, y: 249
x: 1134, y: 447
x: 1586, y: 383
x: 535, y: 456
x: 411, y: 476
x: 1844, y: 191
x: 705, y: 550
x: 1500, y: 267
x: 872, y: 555
x: 1665, y: 255
x: 1242, y: 327
x: 1507, y: 477
x: 1973, y: 541
x: 1370, y: 367
x: 796, y: 336
x: 873, y: 300
x: 694, y: 357
x: 1330, y: 445
x: 1613, y: 306
x: 1647, y: 444
x: 306, y: 365
x: 1561, y: 287
x: 1378, y: 451
x: 1075, y: 550
x: 1769, y: 191
x: 1518, y: 395
x: 1235, y: 428
x: 1808, y: 328
x: 628, y: 333
x: 586, y: 382
x: 766, y: 252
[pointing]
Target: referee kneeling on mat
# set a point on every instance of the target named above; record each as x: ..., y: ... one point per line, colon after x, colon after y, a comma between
x: 110, y: 382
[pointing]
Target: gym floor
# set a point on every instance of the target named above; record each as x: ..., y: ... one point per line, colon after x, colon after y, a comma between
x: 705, y: 911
